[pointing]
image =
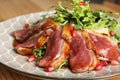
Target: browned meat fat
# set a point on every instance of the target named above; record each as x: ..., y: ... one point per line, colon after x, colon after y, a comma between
x: 57, y: 51
x: 103, y: 45
x: 24, y: 34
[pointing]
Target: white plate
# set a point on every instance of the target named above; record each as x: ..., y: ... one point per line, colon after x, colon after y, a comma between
x: 11, y: 59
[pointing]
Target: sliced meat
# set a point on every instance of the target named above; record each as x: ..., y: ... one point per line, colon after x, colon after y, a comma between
x: 54, y: 49
x: 27, y: 47
x: 35, y: 41
x: 24, y: 50
x: 64, y: 56
x: 21, y: 35
x: 66, y: 33
x: 51, y: 24
x: 95, y: 61
x: 103, y: 45
x: 34, y: 37
x: 43, y: 38
x: 24, y: 34
x: 41, y: 41
x: 80, y: 55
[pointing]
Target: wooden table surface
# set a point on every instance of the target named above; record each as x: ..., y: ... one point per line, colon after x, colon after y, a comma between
x: 13, y: 8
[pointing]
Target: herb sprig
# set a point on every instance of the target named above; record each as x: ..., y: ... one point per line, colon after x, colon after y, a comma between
x: 39, y: 53
x: 84, y: 17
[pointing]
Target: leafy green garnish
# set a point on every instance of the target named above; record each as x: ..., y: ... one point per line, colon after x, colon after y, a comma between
x: 84, y: 17
x: 33, y: 24
x: 39, y: 53
x: 117, y: 30
x: 64, y: 63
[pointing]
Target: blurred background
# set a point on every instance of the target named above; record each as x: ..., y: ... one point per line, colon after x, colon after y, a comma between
x: 101, y: 1
x: 12, y: 8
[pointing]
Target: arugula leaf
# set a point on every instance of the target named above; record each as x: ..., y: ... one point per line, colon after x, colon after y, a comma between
x: 39, y: 53
x: 64, y: 63
x: 85, y: 17
x: 117, y: 30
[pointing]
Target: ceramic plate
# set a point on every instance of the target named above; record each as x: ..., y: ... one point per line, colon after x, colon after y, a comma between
x: 19, y: 63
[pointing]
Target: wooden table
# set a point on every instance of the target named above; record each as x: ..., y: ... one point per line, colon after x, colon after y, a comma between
x: 13, y: 8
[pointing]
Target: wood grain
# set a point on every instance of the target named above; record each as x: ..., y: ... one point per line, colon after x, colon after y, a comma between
x: 7, y: 74
x: 13, y: 8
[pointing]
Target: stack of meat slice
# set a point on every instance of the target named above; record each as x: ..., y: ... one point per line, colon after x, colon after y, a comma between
x: 30, y: 38
x: 82, y: 48
x: 87, y: 46
x: 81, y: 57
x: 102, y: 45
x: 46, y: 31
x: 56, y: 52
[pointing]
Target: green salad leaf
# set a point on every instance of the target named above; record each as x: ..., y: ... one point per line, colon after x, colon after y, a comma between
x: 117, y: 30
x: 64, y: 63
x: 39, y: 53
x: 84, y: 17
